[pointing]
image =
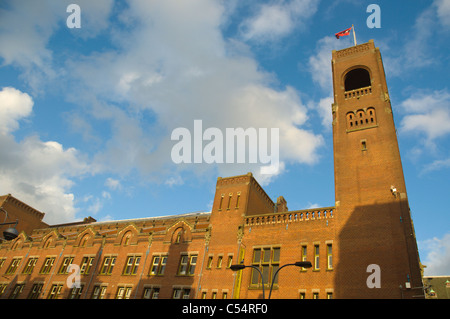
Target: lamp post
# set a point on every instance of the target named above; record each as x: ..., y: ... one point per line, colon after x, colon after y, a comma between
x: 303, y: 264
x: 11, y: 232
x: 240, y: 267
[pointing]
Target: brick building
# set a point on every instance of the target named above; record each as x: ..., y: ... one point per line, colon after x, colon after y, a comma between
x: 363, y: 247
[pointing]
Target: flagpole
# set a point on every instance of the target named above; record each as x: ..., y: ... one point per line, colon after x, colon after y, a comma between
x: 354, y: 35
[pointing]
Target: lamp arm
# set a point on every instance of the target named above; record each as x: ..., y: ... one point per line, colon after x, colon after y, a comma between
x: 262, y: 278
x: 274, y: 276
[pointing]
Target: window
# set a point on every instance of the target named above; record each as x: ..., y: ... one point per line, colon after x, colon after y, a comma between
x: 237, y: 199
x: 224, y: 294
x: 98, y: 292
x: 13, y: 266
x: 329, y: 295
x: 268, y: 261
x: 151, y: 293
x: 35, y: 291
x: 187, y: 265
x: 2, y: 289
x: 64, y: 269
x: 86, y: 265
x: 219, y: 261
x: 124, y: 292
x: 131, y: 265
x: 229, y: 200
x: 357, y: 79
x: 55, y: 290
x: 108, y: 265
x: 30, y: 265
x: 315, y: 295
x: 363, y: 145
x: 126, y: 238
x: 16, y: 291
x: 316, y: 257
x: 48, y: 264
x: 209, y: 262
x: 229, y: 261
x: 84, y: 240
x: 304, y: 257
x: 181, y: 293
x: 329, y: 256
x: 221, y: 201
x: 158, y: 265
x: 75, y: 293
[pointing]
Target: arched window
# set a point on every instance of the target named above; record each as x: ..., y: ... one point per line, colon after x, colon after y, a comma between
x: 126, y: 238
x: 356, y: 79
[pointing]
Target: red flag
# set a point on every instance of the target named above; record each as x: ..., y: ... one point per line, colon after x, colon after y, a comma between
x: 343, y: 33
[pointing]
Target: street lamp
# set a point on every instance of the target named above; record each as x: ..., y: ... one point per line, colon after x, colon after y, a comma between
x: 302, y: 264
x: 11, y: 232
x: 240, y: 267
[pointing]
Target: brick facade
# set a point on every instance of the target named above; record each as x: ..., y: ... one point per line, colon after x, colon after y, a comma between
x: 189, y: 256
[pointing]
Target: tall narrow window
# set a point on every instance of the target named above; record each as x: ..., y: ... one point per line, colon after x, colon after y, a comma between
x: 221, y: 201
x: 229, y: 200
x: 237, y: 199
x: 304, y: 257
x: 329, y: 256
x: 316, y: 257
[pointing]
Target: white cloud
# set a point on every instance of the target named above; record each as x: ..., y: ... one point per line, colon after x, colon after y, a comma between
x: 113, y: 184
x: 437, y: 259
x: 443, y: 11
x: 428, y: 113
x: 14, y: 105
x: 38, y: 172
x: 277, y: 19
x: 192, y: 73
x: 319, y: 65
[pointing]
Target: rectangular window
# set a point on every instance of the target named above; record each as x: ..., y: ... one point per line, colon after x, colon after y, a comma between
x: 304, y: 255
x: 48, y: 264
x: 221, y: 201
x: 16, y: 291
x: 86, y: 265
x: 55, y: 291
x: 219, y: 261
x: 187, y: 265
x: 229, y: 261
x: 30, y: 265
x: 329, y: 256
x: 158, y: 265
x: 13, y: 266
x: 316, y: 257
x: 64, y: 269
x: 237, y: 199
x: 181, y: 293
x: 124, y: 292
x: 108, y: 265
x: 268, y: 261
x: 131, y: 265
x: 75, y: 293
x: 151, y: 293
x: 229, y: 200
x: 209, y: 262
x: 35, y: 291
x: 98, y: 292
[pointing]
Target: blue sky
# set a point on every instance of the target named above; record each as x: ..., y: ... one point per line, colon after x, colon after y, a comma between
x: 86, y: 114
